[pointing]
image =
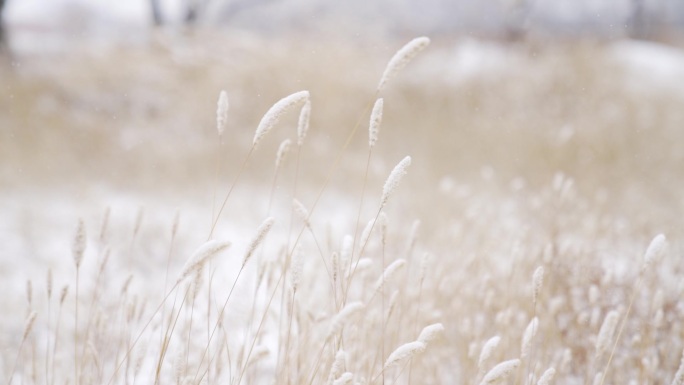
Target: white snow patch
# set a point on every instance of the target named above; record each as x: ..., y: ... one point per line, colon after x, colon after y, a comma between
x: 468, y: 60
x: 649, y: 64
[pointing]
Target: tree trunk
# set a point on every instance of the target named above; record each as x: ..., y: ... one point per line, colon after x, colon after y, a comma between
x: 637, y: 22
x: 157, y: 17
x: 3, y: 35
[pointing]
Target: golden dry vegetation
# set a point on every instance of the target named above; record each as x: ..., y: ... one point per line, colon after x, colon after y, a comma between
x: 558, y: 156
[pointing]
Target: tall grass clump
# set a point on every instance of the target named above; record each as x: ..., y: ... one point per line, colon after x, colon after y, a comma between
x: 290, y: 291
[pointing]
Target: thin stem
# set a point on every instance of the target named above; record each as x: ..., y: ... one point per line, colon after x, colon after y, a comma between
x: 287, y: 344
x: 218, y: 320
x: 147, y: 324
x: 216, y: 177
x: 47, y: 343
x: 167, y: 337
x: 230, y: 191
x: 16, y: 361
x: 261, y: 324
x: 76, y: 329
x: 363, y: 248
x: 358, y: 215
x: 622, y: 328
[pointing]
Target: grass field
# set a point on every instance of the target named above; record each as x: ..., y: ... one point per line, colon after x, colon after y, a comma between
x: 563, y: 156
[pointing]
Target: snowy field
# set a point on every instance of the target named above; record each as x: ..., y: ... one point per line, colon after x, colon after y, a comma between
x: 563, y: 156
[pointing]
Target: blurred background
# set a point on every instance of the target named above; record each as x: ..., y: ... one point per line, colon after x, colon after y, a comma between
x: 509, y: 19
x: 113, y: 104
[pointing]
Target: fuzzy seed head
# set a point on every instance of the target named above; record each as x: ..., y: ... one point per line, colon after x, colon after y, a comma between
x: 345, y: 379
x: 537, y: 281
x: 363, y: 264
x: 401, y: 58
x: 29, y: 292
x: 301, y: 211
x: 337, y: 366
x: 49, y: 284
x: 389, y: 273
x: 528, y: 336
x: 208, y: 250
x: 606, y: 332
x: 335, y: 261
x: 105, y: 225
x: 488, y: 350
x: 375, y: 121
x: 78, y: 245
x: 261, y: 233
x: 63, y: 294
x: 174, y: 226
x: 304, y: 121
x: 341, y: 318
x: 382, y: 219
x: 405, y: 351
x: 222, y: 112
x: 430, y: 332
x: 283, y: 150
x: 273, y: 115
x: 656, y: 250
x: 393, y: 180
x: 297, y: 265
x: 366, y: 233
x: 500, y: 371
x: 547, y: 377
x: 29, y: 324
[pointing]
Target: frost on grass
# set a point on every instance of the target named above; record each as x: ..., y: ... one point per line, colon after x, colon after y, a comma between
x: 394, y: 178
x: 203, y: 254
x: 275, y: 113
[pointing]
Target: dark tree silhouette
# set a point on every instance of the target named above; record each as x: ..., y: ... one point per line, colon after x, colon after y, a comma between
x: 157, y: 17
x: 3, y: 34
x: 637, y: 20
x: 192, y: 12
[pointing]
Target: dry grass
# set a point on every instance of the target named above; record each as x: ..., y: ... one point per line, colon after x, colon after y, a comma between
x: 559, y: 165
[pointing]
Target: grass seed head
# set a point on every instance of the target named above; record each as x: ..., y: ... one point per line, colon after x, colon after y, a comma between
x: 304, y: 122
x: 605, y: 336
x: 375, y: 121
x: 283, y: 150
x: 405, y: 351
x: 488, y: 350
x: 345, y: 379
x: 430, y: 332
x: 29, y: 324
x: 394, y: 178
x: 656, y: 250
x: 547, y: 377
x: 528, y: 336
x: 208, y: 250
x: 261, y: 233
x: 537, y: 282
x: 500, y: 371
x: 222, y: 112
x: 78, y: 245
x: 273, y: 115
x: 401, y: 58
x: 341, y: 318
